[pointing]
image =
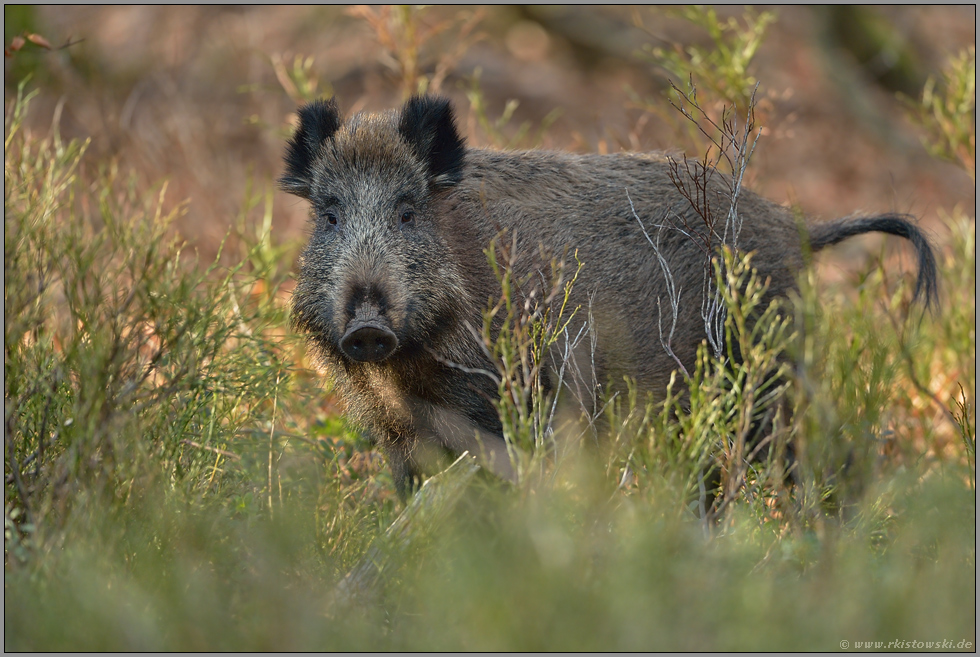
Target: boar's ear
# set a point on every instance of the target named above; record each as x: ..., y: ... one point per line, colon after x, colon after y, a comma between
x: 318, y: 121
x: 428, y: 125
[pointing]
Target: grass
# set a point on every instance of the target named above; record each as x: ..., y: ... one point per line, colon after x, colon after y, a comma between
x: 177, y: 479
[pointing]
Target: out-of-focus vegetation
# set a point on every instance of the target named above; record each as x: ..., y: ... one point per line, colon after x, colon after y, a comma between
x: 948, y: 112
x: 177, y: 478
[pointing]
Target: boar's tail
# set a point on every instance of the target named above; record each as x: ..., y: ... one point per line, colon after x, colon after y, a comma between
x: 832, y: 232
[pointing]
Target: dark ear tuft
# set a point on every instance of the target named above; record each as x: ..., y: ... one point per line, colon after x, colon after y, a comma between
x: 428, y: 125
x: 318, y: 121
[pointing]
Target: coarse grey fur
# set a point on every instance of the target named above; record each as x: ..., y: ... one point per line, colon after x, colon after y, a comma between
x: 395, y: 267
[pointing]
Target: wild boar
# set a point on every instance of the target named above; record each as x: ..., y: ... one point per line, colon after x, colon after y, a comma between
x: 396, y: 272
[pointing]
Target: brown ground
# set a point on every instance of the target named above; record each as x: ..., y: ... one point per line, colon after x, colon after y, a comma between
x: 189, y: 94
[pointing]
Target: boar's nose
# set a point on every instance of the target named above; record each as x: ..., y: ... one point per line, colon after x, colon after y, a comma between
x: 368, y: 341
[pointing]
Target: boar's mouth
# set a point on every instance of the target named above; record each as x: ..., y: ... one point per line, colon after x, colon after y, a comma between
x: 368, y: 337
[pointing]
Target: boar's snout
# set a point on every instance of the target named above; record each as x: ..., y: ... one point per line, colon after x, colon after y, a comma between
x: 369, y: 341
x: 368, y: 334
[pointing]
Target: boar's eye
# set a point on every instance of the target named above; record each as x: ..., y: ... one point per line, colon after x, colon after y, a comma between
x: 330, y: 216
x: 406, y: 216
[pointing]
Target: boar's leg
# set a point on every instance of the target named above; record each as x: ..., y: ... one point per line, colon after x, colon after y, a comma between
x: 458, y: 434
x: 438, y: 435
x: 404, y: 470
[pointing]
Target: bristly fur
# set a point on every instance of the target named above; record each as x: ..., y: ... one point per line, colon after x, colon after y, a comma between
x: 402, y: 215
x: 318, y: 121
x: 427, y: 124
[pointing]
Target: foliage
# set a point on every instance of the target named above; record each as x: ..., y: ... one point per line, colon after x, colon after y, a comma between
x: 409, y: 43
x: 299, y: 81
x: 728, y: 92
x: 723, y: 68
x: 948, y: 112
x: 520, y: 331
x: 134, y: 376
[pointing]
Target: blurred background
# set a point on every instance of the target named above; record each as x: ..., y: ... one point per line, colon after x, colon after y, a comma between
x: 205, y: 96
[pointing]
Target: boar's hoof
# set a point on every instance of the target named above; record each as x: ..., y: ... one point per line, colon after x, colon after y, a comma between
x: 368, y: 342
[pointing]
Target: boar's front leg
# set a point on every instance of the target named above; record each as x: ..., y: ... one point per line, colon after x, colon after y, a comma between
x: 404, y: 470
x: 438, y: 435
x: 458, y: 435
